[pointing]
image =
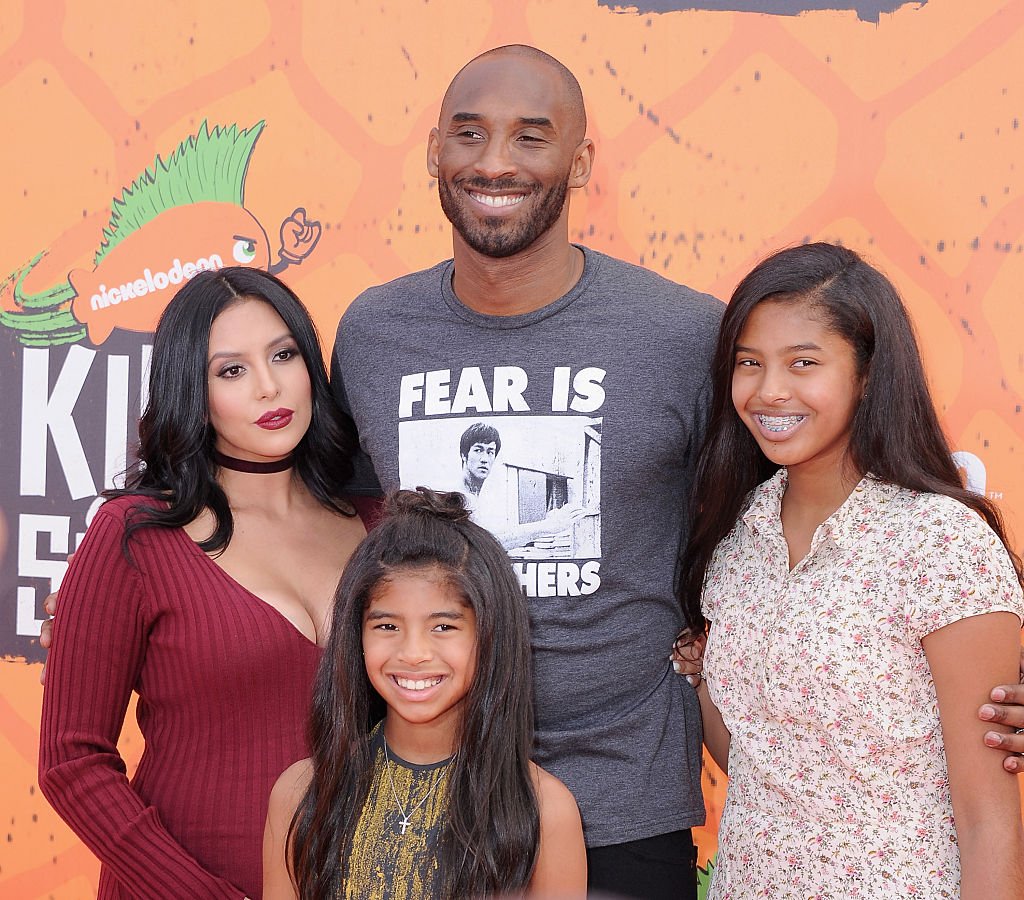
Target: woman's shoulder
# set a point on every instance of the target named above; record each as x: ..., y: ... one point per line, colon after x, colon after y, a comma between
x: 122, y: 505
x: 117, y: 512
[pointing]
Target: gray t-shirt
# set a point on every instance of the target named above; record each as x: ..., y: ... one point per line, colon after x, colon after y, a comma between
x: 596, y: 405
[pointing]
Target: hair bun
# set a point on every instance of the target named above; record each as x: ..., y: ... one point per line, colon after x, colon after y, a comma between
x: 450, y: 505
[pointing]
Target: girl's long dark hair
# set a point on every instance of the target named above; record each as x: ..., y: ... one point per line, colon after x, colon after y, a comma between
x: 490, y: 832
x: 175, y: 455
x: 895, y: 434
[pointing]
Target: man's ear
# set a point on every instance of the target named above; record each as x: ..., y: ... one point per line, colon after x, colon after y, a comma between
x: 433, y: 148
x: 582, y: 164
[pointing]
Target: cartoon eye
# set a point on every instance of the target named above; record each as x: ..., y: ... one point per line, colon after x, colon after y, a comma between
x: 244, y: 250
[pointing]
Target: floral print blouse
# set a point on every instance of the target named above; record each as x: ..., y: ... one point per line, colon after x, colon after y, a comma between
x: 838, y: 784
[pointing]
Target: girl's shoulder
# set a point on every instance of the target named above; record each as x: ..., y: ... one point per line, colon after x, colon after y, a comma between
x: 288, y: 790
x: 284, y: 800
x: 292, y: 782
x: 561, y: 867
x: 893, y: 512
x: 555, y: 801
x: 950, y: 540
x: 925, y: 512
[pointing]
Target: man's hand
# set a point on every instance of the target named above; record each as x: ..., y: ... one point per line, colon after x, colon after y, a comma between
x: 46, y: 628
x: 562, y: 518
x: 1007, y: 709
x: 688, y: 655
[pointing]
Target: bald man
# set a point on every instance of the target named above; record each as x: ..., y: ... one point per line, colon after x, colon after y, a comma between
x: 595, y: 372
x: 598, y: 372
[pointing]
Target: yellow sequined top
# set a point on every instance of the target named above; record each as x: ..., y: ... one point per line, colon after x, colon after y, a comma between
x: 386, y: 864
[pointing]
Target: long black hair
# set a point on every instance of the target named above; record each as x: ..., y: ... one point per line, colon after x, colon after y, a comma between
x: 175, y: 454
x: 895, y: 434
x: 489, y: 840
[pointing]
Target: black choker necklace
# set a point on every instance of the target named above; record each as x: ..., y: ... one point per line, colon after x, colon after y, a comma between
x: 253, y: 468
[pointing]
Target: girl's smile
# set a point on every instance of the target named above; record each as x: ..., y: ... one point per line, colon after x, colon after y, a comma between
x: 796, y: 387
x: 417, y: 685
x: 419, y: 647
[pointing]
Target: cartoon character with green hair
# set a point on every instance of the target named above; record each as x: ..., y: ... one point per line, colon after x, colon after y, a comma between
x: 181, y: 216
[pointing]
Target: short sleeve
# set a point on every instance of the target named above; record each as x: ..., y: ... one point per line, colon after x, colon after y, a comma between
x: 962, y: 570
x: 715, y: 580
x: 364, y: 481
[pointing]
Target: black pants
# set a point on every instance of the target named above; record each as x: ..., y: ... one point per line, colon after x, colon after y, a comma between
x: 663, y: 867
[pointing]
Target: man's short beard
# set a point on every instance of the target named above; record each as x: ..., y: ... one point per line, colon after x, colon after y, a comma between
x: 494, y: 237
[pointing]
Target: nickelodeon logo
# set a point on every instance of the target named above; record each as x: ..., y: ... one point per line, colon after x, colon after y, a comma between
x: 204, y: 234
x: 150, y: 282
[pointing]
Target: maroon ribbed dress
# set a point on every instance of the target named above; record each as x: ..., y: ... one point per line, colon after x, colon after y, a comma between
x: 224, y: 685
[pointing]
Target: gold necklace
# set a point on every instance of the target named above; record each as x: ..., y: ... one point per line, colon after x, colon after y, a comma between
x: 404, y: 821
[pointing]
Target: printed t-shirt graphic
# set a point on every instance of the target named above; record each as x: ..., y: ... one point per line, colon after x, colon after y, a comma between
x: 534, y: 481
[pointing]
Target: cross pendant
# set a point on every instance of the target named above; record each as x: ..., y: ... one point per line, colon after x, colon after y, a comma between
x: 404, y: 822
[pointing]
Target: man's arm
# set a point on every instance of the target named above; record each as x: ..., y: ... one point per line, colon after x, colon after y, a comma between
x: 364, y: 481
x: 555, y: 522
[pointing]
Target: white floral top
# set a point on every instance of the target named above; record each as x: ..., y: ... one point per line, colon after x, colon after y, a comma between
x: 838, y: 784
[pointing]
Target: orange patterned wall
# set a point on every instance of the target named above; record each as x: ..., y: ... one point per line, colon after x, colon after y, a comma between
x: 720, y: 135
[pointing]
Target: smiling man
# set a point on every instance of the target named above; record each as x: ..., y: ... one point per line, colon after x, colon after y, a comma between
x: 595, y: 373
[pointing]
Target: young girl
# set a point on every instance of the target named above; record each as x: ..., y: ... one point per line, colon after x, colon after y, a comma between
x: 861, y: 605
x: 440, y: 798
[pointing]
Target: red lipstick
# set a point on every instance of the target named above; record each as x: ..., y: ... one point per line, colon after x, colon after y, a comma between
x: 276, y: 418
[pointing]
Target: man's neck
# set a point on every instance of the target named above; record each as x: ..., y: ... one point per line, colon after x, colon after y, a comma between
x: 471, y: 483
x: 546, y: 270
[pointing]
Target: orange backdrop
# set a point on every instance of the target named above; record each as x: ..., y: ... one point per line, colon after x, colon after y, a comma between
x: 721, y: 135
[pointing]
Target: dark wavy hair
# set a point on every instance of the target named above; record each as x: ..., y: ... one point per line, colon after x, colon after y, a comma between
x: 895, y: 434
x: 489, y: 838
x: 175, y: 452
x: 479, y: 433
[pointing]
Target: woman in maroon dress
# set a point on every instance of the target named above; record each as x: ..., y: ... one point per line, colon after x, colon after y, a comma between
x: 205, y: 586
